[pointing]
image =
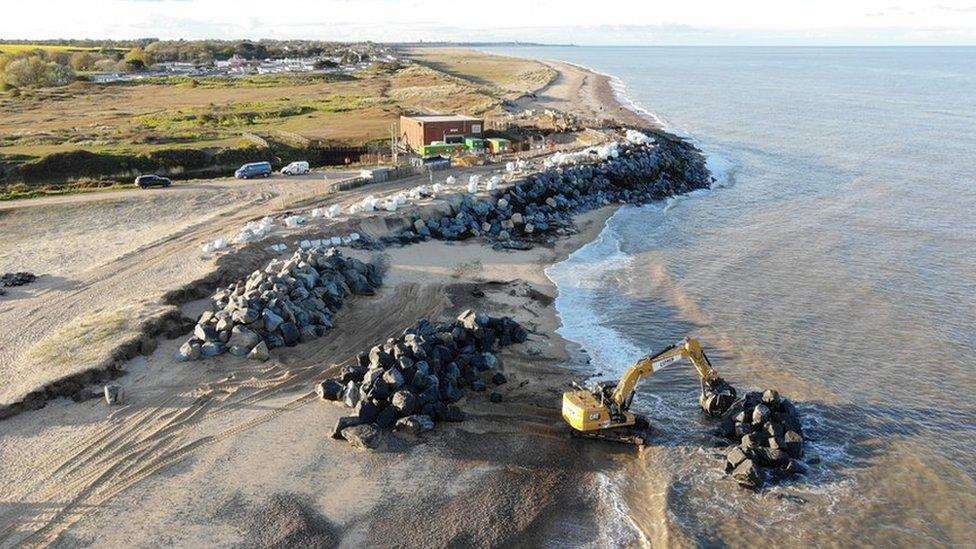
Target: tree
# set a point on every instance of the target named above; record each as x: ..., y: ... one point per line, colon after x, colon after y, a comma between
x: 137, y: 59
x: 82, y: 61
x: 106, y: 65
x: 29, y: 72
x: 59, y: 75
x: 135, y: 65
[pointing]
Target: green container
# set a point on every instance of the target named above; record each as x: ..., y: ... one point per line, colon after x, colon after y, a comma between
x: 435, y: 149
x: 474, y: 143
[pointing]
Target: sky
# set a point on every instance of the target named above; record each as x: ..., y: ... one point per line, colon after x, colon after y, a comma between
x: 608, y: 22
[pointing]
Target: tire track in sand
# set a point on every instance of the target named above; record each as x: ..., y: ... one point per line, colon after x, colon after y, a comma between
x: 143, y: 441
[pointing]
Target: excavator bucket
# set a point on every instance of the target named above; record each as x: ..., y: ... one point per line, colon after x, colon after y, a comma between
x: 716, y: 398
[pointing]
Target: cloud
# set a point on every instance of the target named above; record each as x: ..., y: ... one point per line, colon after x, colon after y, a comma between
x: 626, y: 22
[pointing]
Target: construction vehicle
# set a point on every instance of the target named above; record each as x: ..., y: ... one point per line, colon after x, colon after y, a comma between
x: 603, y: 411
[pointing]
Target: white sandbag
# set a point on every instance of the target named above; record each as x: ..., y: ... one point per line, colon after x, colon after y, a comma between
x: 638, y: 138
x: 219, y: 244
x: 354, y: 237
x: 391, y: 205
x: 294, y: 220
x: 246, y: 235
x: 437, y: 188
x: 370, y: 203
x: 317, y: 213
x: 305, y: 244
x: 334, y: 211
x: 510, y: 167
x: 450, y: 180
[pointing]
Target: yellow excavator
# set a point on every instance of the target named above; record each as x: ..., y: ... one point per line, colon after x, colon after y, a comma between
x: 603, y: 411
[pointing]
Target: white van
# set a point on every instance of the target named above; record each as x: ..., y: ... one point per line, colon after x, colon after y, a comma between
x: 295, y: 168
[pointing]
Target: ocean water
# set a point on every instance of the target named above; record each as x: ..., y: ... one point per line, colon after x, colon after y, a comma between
x: 834, y: 259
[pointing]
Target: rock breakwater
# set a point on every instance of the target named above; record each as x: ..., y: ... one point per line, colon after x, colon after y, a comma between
x: 634, y: 172
x: 414, y: 380
x: 287, y: 302
x: 770, y: 439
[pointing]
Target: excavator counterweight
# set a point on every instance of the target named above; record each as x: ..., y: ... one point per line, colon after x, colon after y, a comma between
x: 603, y: 412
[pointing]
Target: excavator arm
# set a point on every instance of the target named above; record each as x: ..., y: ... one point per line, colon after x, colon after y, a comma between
x: 689, y: 349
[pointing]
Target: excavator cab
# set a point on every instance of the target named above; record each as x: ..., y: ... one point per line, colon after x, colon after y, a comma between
x: 603, y: 411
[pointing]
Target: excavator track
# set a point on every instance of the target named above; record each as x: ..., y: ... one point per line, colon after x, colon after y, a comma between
x: 638, y: 434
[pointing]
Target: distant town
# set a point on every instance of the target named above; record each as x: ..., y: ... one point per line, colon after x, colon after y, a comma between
x: 59, y: 62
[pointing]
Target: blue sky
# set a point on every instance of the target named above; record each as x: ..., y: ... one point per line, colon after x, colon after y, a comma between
x: 620, y: 22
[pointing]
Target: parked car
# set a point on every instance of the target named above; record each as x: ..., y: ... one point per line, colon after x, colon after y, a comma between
x: 254, y: 169
x: 295, y: 168
x: 152, y: 180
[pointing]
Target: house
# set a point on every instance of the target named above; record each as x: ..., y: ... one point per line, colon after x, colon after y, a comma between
x: 421, y: 130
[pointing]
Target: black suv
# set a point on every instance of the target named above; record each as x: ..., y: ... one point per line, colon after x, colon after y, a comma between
x: 146, y: 181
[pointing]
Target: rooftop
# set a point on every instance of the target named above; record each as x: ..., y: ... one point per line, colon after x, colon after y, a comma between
x: 444, y: 118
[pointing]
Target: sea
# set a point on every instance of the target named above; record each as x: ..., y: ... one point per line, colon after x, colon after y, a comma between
x: 833, y: 259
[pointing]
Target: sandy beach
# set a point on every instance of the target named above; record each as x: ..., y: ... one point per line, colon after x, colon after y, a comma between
x: 226, y: 452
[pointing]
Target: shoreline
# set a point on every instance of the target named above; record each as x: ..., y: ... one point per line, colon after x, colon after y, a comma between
x: 501, y: 477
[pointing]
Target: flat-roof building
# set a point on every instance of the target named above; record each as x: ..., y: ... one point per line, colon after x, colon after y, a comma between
x: 417, y: 131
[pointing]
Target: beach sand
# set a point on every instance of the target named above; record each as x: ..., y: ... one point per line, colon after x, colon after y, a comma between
x: 226, y: 451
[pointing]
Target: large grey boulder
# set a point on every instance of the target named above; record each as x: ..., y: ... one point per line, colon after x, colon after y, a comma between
x: 747, y: 474
x: 259, y: 352
x: 271, y: 320
x: 342, y: 423
x: 793, y: 444
x: 735, y: 456
x: 351, y: 394
x: 367, y: 411
x: 393, y: 378
x: 329, y: 389
x: 415, y: 424
x: 386, y: 417
x: 760, y: 414
x: 404, y: 401
x: 378, y: 358
x: 189, y: 350
x: 212, y: 348
x: 364, y: 436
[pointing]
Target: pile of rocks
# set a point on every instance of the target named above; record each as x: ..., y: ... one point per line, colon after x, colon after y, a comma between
x: 17, y: 279
x: 287, y: 302
x: 770, y: 439
x: 636, y: 172
x: 414, y: 380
